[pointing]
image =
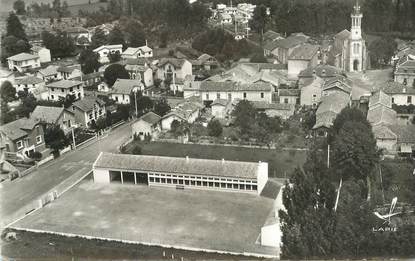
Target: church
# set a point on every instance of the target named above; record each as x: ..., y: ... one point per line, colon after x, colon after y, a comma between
x: 349, y: 52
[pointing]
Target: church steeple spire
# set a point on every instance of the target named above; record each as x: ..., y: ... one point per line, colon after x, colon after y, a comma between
x: 356, y: 16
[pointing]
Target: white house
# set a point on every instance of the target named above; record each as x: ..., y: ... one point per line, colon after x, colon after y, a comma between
x: 132, y: 52
x: 122, y: 89
x: 401, y: 94
x: 221, y: 108
x: 148, y: 124
x: 210, y: 91
x: 49, y: 73
x: 60, y: 89
x: 175, y: 70
x: 23, y: 61
x: 104, y: 50
x: 31, y: 84
x: 42, y: 52
x: 69, y: 72
x: 140, y: 72
x: 187, y: 111
x: 88, y: 110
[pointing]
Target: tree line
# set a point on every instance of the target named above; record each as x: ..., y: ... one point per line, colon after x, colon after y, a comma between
x: 314, y: 225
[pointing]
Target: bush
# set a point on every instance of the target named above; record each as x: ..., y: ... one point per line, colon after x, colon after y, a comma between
x: 215, y: 128
x: 35, y: 155
x: 136, y: 150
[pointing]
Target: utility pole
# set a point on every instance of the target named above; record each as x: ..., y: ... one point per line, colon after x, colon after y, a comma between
x: 73, y: 138
x: 338, y: 194
x: 135, y: 99
x: 328, y: 156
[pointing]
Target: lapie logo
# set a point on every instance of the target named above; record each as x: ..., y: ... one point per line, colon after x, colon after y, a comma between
x: 387, y: 225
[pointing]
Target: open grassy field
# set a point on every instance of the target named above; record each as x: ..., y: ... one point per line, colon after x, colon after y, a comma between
x: 281, y: 163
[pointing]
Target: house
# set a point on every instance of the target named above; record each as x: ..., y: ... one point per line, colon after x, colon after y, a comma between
x: 191, y: 87
x: 23, y: 136
x: 210, y: 91
x: 311, y: 93
x: 123, y: 88
x: 139, y: 69
x: 322, y: 71
x: 271, y: 48
x: 286, y: 46
x: 302, y: 57
x: 380, y: 110
x: 289, y: 96
x: 327, y: 111
x: 405, y: 71
x: 271, y: 36
x: 90, y: 79
x: 205, y: 62
x: 49, y: 73
x: 42, y: 52
x: 225, y: 18
x: 337, y: 84
x: 174, y: 70
x: 59, y: 116
x: 137, y: 52
x: 77, y: 32
x: 23, y: 61
x: 282, y: 110
x: 88, y: 110
x: 187, y: 111
x: 401, y: 94
x: 148, y: 124
x: 221, y: 108
x: 29, y: 84
x: 60, y: 89
x: 105, y: 50
x: 69, y: 72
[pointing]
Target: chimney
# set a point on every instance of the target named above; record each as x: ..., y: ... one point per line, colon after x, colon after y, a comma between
x: 404, y: 90
x: 187, y: 158
x: 323, y: 72
x: 223, y: 161
x: 146, y: 42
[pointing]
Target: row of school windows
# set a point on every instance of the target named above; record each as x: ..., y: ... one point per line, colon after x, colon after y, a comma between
x: 201, y: 181
x: 218, y: 96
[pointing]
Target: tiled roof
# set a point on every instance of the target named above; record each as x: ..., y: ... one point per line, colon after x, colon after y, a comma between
x: 405, y: 133
x: 16, y: 129
x: 321, y: 71
x: 29, y: 80
x: 69, y: 69
x: 125, y: 86
x: 289, y: 92
x: 380, y: 98
x: 325, y: 119
x: 338, y: 82
x: 271, y: 35
x: 234, y: 86
x: 221, y: 102
x: 23, y: 57
x: 383, y: 132
x: 50, y: 70
x: 47, y: 114
x: 304, y: 52
x: 109, y: 47
x: 145, y: 48
x: 136, y: 67
x: 381, y: 115
x: 64, y: 84
x: 130, y: 51
x: 343, y: 34
x: 37, y: 48
x: 292, y: 41
x: 150, y: 117
x: 203, y: 167
x: 272, y: 106
x: 87, y: 103
x: 271, y: 45
x: 178, y: 63
x: 397, y: 88
x: 329, y: 107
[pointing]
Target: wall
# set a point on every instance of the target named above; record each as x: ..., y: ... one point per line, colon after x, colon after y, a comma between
x: 283, y: 114
x: 250, y: 95
x: 120, y: 98
x: 44, y: 55
x: 271, y: 235
x: 166, y: 122
x: 401, y: 99
x: 141, y: 126
x: 219, y: 111
x: 410, y: 79
x: 57, y: 92
x: 291, y: 99
x: 306, y: 96
x: 387, y: 144
x: 101, y: 176
x: 148, y: 78
x: 23, y: 65
x: 296, y: 66
x: 262, y: 176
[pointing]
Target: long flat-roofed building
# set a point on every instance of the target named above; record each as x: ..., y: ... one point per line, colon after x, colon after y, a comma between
x: 181, y: 173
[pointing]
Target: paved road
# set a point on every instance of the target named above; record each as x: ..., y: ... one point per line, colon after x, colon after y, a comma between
x: 15, y: 196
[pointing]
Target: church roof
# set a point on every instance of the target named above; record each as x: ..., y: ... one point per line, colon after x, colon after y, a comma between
x: 343, y: 34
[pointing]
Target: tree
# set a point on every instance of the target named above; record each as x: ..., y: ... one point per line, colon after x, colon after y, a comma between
x: 244, y: 114
x: 162, y: 107
x: 114, y: 72
x: 19, y: 7
x: 164, y: 37
x: 258, y: 21
x: 354, y: 151
x: 124, y: 111
x: 116, y: 36
x: 99, y: 38
x: 101, y: 124
x: 309, y: 120
x: 89, y: 61
x: 60, y: 45
x: 55, y: 138
x: 381, y: 51
x: 258, y: 58
x: 7, y: 92
x: 347, y: 114
x: 114, y: 57
x: 27, y: 106
x: 135, y: 35
x: 15, y: 28
x: 214, y: 128
x: 175, y: 127
x: 136, y: 150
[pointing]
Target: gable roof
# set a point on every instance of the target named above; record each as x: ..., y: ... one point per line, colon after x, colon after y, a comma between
x: 47, y: 114
x: 29, y: 80
x: 304, y: 52
x: 177, y: 63
x: 65, y: 84
x: 220, y: 102
x: 321, y: 70
x: 125, y: 86
x: 69, y: 69
x: 380, y: 98
x: 50, y: 70
x: 261, y: 105
x: 271, y: 35
x: 37, y: 48
x: 23, y: 57
x: 289, y: 92
x: 292, y: 41
x: 87, y: 103
x: 234, y: 86
x: 405, y: 133
x: 381, y: 115
x: 150, y: 117
x: 396, y: 88
x: 193, y: 166
x: 109, y: 47
x: 16, y: 129
x: 383, y: 132
x: 343, y: 34
x: 340, y: 82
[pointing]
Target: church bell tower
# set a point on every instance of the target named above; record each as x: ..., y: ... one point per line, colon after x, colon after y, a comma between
x: 357, y: 48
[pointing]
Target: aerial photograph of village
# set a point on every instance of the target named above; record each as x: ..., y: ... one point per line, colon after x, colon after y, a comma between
x: 207, y: 130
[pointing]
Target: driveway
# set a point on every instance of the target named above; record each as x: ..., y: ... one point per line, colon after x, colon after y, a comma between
x: 17, y: 195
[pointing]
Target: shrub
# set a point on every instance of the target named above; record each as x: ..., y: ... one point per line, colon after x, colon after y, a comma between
x: 35, y: 155
x: 136, y: 150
